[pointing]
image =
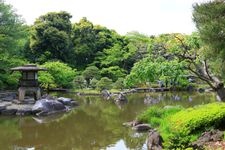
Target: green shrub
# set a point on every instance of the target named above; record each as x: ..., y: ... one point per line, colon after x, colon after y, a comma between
x: 198, y: 118
x: 93, y: 83
x: 104, y: 83
x: 79, y: 82
x: 159, y: 118
x: 46, y: 80
x: 119, y: 84
x: 155, y: 115
x: 63, y: 74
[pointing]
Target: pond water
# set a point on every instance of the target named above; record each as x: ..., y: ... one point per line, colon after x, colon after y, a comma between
x: 95, y: 124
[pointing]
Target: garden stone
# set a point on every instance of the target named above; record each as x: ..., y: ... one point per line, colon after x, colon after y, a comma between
x: 121, y: 97
x: 213, y: 135
x: 24, y: 112
x: 9, y: 112
x: 132, y: 123
x: 106, y: 94
x: 67, y: 101
x: 46, y: 107
x: 141, y: 127
x: 154, y: 141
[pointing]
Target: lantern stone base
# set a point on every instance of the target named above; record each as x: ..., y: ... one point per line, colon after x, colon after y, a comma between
x: 35, y: 90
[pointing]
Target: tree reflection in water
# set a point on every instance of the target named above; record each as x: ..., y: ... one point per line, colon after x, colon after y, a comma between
x: 95, y: 124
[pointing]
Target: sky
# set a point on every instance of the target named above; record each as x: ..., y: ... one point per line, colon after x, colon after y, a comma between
x: 150, y: 17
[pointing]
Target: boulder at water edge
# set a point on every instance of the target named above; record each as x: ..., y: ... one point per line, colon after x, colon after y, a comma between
x: 45, y: 107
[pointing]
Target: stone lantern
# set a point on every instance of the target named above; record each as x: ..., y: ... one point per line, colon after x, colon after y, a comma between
x: 29, y: 80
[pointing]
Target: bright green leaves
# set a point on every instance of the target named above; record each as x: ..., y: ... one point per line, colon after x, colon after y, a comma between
x: 59, y: 75
x: 148, y: 70
x: 192, y: 119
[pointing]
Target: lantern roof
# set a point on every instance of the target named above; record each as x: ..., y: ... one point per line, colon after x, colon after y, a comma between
x: 28, y: 67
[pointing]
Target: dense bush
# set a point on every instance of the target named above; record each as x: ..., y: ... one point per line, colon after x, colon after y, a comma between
x: 198, y: 118
x: 104, y: 83
x: 62, y: 74
x: 179, y: 126
x: 119, y: 84
x: 79, y: 82
x: 155, y: 115
x: 8, y: 79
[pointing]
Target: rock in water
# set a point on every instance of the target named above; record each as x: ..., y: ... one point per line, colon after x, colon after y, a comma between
x: 141, y: 127
x: 121, y: 97
x: 154, y: 141
x: 67, y: 101
x: 45, y: 107
x: 106, y: 94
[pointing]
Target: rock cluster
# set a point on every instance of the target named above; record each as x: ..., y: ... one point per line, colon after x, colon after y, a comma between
x: 208, y: 136
x: 48, y: 105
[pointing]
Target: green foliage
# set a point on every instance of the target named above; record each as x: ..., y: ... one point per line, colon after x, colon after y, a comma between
x: 148, y: 70
x: 79, y: 82
x: 179, y: 141
x: 104, y: 83
x: 93, y: 83
x: 50, y: 37
x: 7, y: 79
x: 155, y: 115
x: 12, y: 30
x: 90, y: 73
x: 62, y: 74
x: 209, y: 19
x: 113, y: 72
x: 198, y: 118
x: 119, y: 84
x: 89, y: 41
x: 46, y: 80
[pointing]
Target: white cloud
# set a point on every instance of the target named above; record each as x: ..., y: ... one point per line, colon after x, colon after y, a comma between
x: 146, y: 16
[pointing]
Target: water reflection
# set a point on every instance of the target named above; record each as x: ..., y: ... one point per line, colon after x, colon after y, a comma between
x: 95, y: 124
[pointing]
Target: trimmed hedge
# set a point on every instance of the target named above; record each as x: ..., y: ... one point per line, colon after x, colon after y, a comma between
x: 198, y: 118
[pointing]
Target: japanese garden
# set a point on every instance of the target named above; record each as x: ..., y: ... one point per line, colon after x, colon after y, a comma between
x: 79, y: 85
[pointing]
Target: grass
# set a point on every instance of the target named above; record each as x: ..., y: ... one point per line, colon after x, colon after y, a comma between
x: 159, y: 117
x: 93, y: 91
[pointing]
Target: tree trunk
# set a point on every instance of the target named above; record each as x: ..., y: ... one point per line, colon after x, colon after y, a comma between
x: 221, y: 94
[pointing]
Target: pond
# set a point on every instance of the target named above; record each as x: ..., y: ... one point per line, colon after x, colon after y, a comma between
x: 95, y: 124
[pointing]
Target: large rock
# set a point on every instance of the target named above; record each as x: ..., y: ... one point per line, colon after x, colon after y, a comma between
x: 21, y: 109
x: 132, y: 123
x: 106, y: 94
x: 209, y: 136
x: 141, y: 127
x: 9, y: 112
x: 121, y: 97
x: 67, y: 101
x: 46, y: 107
x: 154, y: 141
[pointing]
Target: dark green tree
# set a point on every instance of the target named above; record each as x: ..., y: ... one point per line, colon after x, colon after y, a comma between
x: 91, y: 72
x: 13, y: 35
x: 89, y: 41
x: 209, y: 20
x: 104, y: 83
x: 50, y: 37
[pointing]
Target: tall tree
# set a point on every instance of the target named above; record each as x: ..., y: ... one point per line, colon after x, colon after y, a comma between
x: 50, y: 37
x: 12, y: 29
x: 84, y: 41
x: 89, y: 41
x: 12, y: 36
x: 209, y: 20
